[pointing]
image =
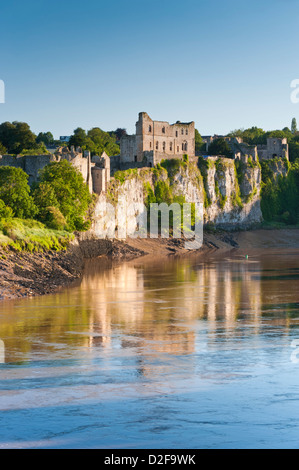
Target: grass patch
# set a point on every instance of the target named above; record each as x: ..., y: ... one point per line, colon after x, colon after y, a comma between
x: 32, y: 236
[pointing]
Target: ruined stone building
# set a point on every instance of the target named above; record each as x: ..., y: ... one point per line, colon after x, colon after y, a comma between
x: 100, y: 172
x: 152, y: 142
x: 157, y: 140
x: 275, y: 147
x: 95, y: 170
x: 241, y: 150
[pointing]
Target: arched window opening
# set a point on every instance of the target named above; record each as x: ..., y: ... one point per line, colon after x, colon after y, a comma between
x: 163, y: 130
x: 164, y: 146
x: 157, y: 145
x: 170, y: 146
x: 150, y: 128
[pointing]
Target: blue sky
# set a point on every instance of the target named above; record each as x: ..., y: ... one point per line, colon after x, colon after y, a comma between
x: 224, y: 64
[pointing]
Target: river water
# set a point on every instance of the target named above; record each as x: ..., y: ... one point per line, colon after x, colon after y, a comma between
x: 176, y: 353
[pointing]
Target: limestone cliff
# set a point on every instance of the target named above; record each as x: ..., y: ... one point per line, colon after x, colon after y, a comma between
x: 229, y: 191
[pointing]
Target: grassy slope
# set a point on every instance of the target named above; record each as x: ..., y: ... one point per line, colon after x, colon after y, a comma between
x: 32, y: 236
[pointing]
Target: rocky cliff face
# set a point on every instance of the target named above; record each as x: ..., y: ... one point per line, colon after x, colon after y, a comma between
x: 230, y: 193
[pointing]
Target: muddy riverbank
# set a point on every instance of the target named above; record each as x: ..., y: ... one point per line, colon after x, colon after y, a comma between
x: 29, y: 274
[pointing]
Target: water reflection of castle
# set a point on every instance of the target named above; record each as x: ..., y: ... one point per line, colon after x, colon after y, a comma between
x: 162, y: 308
x: 149, y: 309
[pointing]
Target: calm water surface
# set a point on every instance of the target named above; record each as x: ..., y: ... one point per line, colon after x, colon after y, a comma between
x: 170, y: 354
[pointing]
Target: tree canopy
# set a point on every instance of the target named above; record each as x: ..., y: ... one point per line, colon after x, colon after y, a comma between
x: 198, y: 141
x: 15, y: 192
x: 16, y: 136
x: 294, y: 126
x: 96, y: 141
x: 62, y: 186
x: 220, y: 147
x: 45, y: 138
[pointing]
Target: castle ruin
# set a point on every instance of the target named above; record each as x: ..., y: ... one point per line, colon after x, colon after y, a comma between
x: 95, y: 170
x: 153, y: 141
x: 157, y: 140
x: 275, y: 147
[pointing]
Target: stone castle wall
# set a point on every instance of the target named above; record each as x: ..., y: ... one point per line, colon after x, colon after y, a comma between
x: 159, y: 137
x: 31, y: 164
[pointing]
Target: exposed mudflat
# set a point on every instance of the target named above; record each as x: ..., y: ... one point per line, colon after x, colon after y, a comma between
x: 28, y: 274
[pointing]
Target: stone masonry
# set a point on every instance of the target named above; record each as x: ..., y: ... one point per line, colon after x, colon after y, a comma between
x: 157, y: 140
x: 95, y: 170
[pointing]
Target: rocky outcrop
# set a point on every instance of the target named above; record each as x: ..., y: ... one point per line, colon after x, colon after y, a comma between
x: 230, y: 195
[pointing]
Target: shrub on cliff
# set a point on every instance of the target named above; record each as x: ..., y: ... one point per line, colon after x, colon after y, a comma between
x: 15, y: 192
x: 71, y: 193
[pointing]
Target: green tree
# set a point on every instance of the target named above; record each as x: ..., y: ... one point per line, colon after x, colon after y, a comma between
x: 5, y: 211
x: 96, y: 141
x: 78, y: 139
x: 55, y: 219
x: 294, y: 126
x: 254, y: 136
x: 7, y: 135
x: 118, y: 133
x: 103, y: 142
x: 17, y: 136
x: 3, y: 150
x: 44, y: 197
x: 15, y: 192
x: 198, y: 141
x: 280, y: 195
x: 71, y: 192
x: 220, y: 147
x: 39, y: 149
x: 45, y: 137
x: 293, y: 151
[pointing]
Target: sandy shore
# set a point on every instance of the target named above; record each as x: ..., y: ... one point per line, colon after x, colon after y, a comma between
x: 29, y: 274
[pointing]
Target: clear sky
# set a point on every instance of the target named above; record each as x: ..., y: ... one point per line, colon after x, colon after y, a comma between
x: 224, y: 64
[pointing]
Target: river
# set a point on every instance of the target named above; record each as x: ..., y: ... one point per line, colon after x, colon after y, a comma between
x: 173, y: 353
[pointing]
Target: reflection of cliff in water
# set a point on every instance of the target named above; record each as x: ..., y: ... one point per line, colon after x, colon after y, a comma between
x: 157, y: 307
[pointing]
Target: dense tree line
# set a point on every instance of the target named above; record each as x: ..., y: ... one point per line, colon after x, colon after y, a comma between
x: 16, y: 138
x: 60, y: 200
x: 96, y: 141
